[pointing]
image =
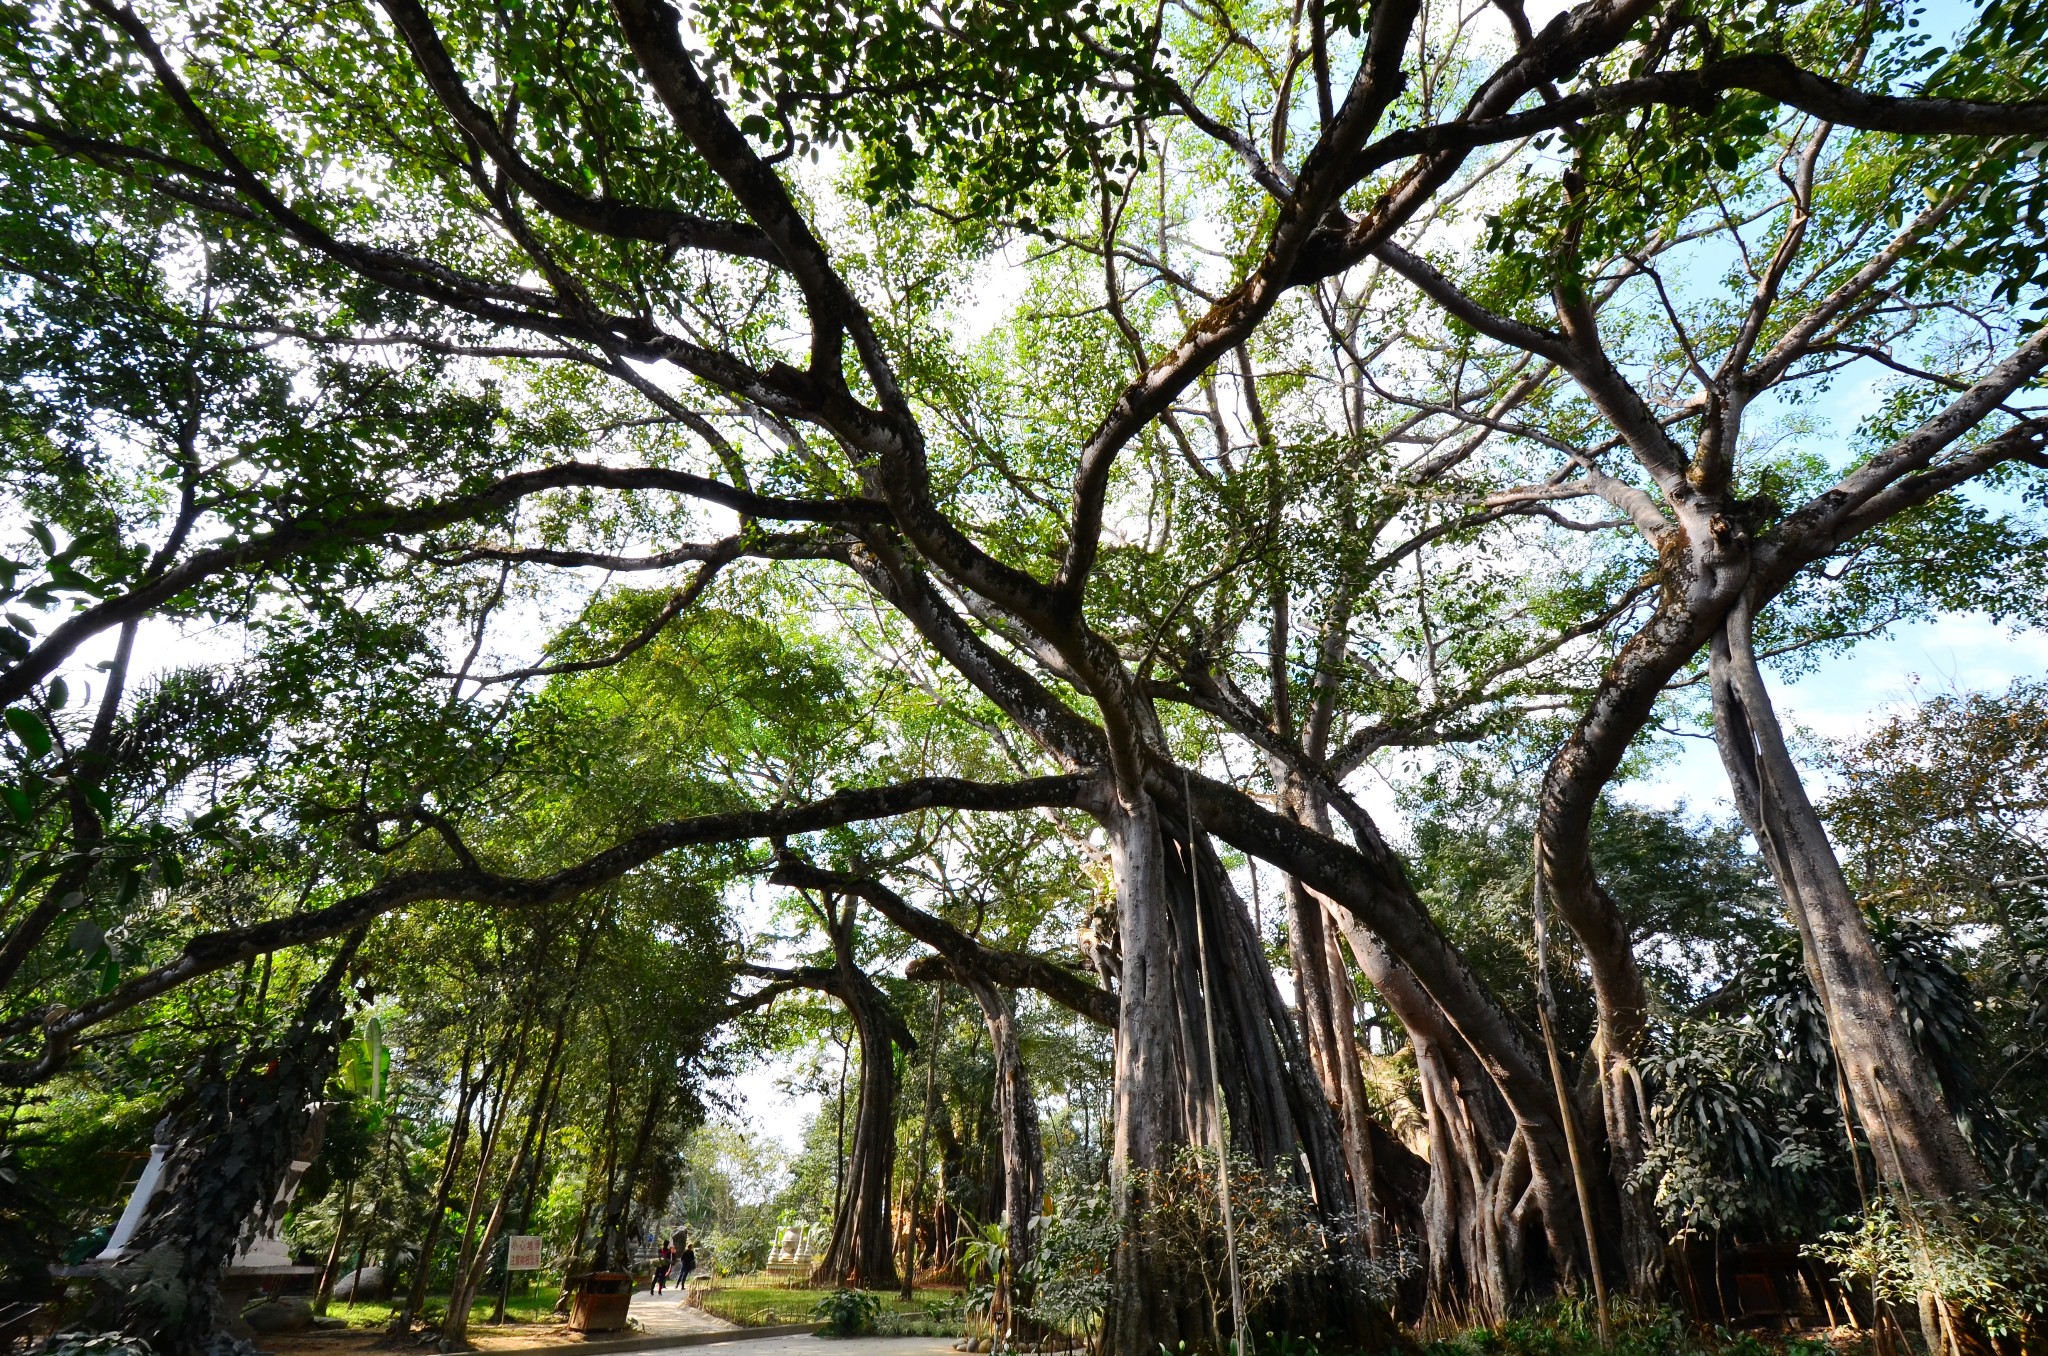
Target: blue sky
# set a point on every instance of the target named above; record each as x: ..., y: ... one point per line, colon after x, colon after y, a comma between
x: 1847, y: 693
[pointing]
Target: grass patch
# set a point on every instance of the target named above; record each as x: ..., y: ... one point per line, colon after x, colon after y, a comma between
x: 755, y: 1302
x: 1567, y: 1328
x: 537, y: 1305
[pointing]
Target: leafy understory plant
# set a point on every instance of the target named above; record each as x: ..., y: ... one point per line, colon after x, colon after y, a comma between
x: 848, y: 1313
x: 1071, y: 1264
x: 1986, y: 1257
x: 984, y: 1259
x: 1277, y: 1233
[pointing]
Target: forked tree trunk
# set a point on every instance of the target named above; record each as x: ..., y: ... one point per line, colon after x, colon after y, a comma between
x: 455, y: 1331
x: 1705, y: 570
x: 1913, y: 1133
x: 455, y: 1323
x: 451, y: 1162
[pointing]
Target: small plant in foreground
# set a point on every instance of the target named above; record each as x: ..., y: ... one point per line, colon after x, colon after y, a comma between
x: 1986, y: 1256
x: 848, y: 1313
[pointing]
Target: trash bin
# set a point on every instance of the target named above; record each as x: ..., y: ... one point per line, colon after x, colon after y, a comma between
x: 601, y: 1300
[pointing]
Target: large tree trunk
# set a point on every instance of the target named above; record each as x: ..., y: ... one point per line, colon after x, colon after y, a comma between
x: 1161, y: 1076
x: 1279, y: 1116
x: 860, y: 1254
x: 1913, y: 1133
x: 1501, y: 1218
x: 1379, y: 910
x: 1329, y: 1020
x: 1023, y: 1155
x: 1493, y: 1228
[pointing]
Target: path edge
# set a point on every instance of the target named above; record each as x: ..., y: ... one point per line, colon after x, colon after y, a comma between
x: 656, y: 1343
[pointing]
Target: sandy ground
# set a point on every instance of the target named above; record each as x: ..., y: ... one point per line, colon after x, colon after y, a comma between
x: 653, y: 1316
x: 323, y: 1345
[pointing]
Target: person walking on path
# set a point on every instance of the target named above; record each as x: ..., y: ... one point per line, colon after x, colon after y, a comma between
x: 662, y: 1262
x: 685, y: 1264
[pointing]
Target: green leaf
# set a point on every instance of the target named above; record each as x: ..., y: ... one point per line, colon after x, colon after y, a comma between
x: 173, y: 869
x: 18, y: 804
x: 28, y: 727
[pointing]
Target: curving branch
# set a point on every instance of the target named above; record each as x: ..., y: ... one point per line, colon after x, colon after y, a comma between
x: 314, y: 532
x: 1776, y: 77
x: 212, y: 951
x: 826, y: 979
x: 603, y: 216
x: 1009, y: 969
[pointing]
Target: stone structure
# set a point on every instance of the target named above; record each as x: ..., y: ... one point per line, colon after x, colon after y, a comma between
x: 263, y: 1262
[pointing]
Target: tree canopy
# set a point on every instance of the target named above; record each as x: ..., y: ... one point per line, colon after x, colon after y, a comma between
x: 626, y: 538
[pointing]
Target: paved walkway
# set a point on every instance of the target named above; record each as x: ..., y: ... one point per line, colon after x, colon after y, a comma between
x: 665, y: 1314
x: 821, y: 1346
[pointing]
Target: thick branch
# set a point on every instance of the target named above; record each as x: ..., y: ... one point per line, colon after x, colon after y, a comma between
x: 302, y: 536
x: 213, y: 951
x: 1009, y: 969
x: 604, y: 216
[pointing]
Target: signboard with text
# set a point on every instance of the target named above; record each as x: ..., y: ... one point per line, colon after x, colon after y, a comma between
x: 522, y: 1252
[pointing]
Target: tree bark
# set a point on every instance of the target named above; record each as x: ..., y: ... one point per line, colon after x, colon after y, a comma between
x: 1918, y: 1147
x: 1278, y: 1114
x: 1487, y: 1215
x: 860, y: 1256
x: 1383, y: 919
x: 1329, y: 1021
x: 1159, y: 1067
x: 1022, y: 1152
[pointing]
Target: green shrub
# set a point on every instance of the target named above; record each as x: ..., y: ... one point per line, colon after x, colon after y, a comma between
x: 1986, y: 1256
x: 848, y: 1313
x: 740, y: 1253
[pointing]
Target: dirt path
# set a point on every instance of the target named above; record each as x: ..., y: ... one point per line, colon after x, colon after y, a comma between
x: 652, y: 1315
